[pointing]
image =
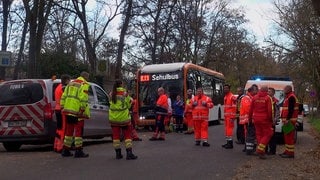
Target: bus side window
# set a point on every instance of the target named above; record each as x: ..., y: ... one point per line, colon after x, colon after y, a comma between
x: 191, y: 80
x: 190, y: 85
x: 198, y: 80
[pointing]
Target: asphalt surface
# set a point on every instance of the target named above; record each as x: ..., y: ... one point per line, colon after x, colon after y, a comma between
x: 175, y: 158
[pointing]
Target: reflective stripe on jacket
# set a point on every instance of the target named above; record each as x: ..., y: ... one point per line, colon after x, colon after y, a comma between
x: 285, y: 108
x: 75, y: 97
x: 245, y: 104
x: 199, y: 111
x: 188, y: 109
x: 119, y: 114
x: 230, y: 105
x: 261, y: 108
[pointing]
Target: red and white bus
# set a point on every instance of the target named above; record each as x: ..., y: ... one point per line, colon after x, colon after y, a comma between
x: 176, y: 79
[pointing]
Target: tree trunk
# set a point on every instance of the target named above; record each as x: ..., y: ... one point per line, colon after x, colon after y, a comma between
x: 6, y: 8
x: 124, y: 29
x: 23, y: 39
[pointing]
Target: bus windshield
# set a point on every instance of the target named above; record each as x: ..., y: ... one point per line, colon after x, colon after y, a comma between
x: 149, y: 91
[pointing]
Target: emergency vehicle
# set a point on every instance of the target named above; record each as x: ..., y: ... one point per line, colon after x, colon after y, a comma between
x: 27, y: 112
x: 278, y: 83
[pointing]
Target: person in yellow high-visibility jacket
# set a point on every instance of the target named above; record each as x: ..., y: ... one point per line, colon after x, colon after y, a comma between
x: 120, y: 120
x: 75, y: 106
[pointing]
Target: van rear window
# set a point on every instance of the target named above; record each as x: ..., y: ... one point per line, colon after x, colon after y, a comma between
x: 20, y: 93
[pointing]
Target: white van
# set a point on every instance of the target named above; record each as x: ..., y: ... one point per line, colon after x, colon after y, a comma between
x: 278, y: 84
x: 27, y: 112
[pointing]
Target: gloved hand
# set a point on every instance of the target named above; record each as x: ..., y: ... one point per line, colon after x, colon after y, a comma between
x: 204, y: 103
x: 195, y: 103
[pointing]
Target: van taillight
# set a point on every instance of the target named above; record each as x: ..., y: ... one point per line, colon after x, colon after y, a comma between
x: 48, y: 111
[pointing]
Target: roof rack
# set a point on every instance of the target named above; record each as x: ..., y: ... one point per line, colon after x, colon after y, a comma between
x: 259, y: 78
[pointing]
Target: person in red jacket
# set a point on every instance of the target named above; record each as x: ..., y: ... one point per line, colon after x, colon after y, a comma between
x: 229, y: 115
x: 261, y: 115
x: 134, y: 118
x: 289, y: 116
x: 188, y: 113
x: 245, y: 104
x: 60, y: 131
x: 161, y: 111
x: 200, y: 113
x: 272, y: 146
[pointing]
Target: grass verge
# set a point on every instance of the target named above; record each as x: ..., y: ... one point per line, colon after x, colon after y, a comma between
x: 315, y: 122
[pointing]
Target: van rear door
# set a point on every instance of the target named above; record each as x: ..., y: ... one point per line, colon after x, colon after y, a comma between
x: 22, y: 105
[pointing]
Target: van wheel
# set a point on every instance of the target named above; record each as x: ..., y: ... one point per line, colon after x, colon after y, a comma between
x: 12, y: 146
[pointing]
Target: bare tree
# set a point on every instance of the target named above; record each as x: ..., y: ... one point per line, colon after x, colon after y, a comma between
x: 37, y: 12
x: 300, y: 55
x: 92, y: 37
x: 5, y: 11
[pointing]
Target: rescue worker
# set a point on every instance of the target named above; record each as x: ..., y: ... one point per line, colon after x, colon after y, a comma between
x: 229, y: 115
x: 289, y: 116
x: 188, y: 113
x: 120, y: 120
x: 60, y: 131
x: 272, y: 146
x: 178, y: 109
x: 75, y: 107
x: 167, y: 119
x: 250, y: 134
x: 240, y: 127
x: 161, y: 111
x: 200, y: 114
x: 245, y: 104
x: 262, y: 118
x: 134, y: 117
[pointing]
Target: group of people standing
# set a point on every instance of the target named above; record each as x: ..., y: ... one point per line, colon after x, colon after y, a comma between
x: 72, y: 108
x: 195, y: 110
x: 256, y: 114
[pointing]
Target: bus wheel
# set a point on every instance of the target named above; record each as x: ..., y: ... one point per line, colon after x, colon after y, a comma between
x: 12, y: 146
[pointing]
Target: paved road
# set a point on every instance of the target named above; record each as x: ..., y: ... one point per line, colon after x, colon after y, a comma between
x: 175, y: 158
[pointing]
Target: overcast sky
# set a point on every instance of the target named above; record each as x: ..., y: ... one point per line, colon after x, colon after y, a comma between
x: 260, y: 14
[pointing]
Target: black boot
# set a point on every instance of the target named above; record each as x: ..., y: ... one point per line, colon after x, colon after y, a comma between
x: 224, y: 145
x: 66, y: 153
x: 130, y: 155
x: 118, y: 154
x: 229, y: 144
x: 80, y: 154
x: 206, y: 144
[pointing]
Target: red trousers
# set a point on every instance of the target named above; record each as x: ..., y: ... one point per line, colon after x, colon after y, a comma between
x: 116, y: 132
x: 228, y: 126
x: 289, y: 142
x: 189, y: 121
x: 200, y: 130
x: 264, y: 132
x: 60, y: 132
x: 75, y: 129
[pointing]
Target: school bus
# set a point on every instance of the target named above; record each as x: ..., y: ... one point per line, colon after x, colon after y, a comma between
x: 176, y: 79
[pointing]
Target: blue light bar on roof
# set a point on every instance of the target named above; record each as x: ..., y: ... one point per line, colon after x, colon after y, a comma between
x: 259, y: 78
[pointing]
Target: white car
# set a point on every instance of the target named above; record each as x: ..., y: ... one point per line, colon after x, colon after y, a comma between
x: 306, y: 109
